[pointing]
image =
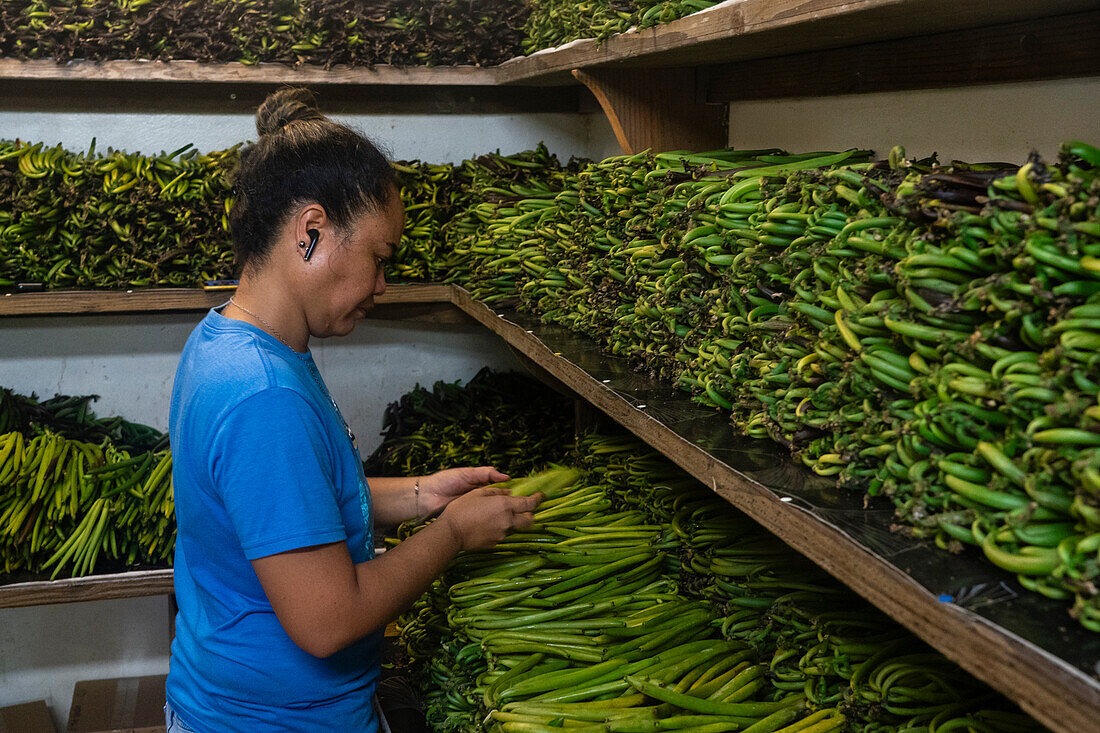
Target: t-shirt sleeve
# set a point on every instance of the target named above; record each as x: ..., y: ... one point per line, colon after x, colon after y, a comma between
x: 272, y: 465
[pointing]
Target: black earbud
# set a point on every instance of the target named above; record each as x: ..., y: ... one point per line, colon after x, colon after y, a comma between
x: 313, y: 235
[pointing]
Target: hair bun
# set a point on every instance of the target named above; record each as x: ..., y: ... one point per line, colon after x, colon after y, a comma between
x: 285, y: 106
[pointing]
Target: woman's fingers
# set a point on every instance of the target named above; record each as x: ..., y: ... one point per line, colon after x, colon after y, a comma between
x: 484, y: 474
x: 481, y: 475
x: 493, y: 491
x: 528, y: 503
x: 495, y: 475
x: 523, y: 510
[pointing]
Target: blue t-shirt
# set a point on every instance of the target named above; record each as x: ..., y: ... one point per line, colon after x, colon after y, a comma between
x: 263, y: 463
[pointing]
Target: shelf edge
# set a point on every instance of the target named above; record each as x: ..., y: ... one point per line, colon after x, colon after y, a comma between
x: 174, y: 300
x: 238, y: 73
x: 752, y: 29
x: 133, y: 584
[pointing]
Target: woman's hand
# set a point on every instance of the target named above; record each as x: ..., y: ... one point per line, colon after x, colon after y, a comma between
x: 439, y: 489
x: 325, y: 602
x: 483, y: 517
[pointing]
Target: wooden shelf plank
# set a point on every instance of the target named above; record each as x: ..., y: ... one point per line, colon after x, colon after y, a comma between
x: 236, y: 73
x: 109, y: 586
x: 1051, y: 678
x: 169, y: 300
x: 747, y: 29
x: 131, y: 584
x: 71, y: 302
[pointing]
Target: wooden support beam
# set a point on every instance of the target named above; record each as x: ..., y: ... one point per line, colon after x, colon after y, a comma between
x: 657, y: 109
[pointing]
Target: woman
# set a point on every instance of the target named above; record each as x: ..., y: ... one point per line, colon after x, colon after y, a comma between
x: 281, y: 602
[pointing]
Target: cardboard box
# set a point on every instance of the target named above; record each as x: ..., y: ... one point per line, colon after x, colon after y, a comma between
x: 121, y: 705
x: 30, y: 717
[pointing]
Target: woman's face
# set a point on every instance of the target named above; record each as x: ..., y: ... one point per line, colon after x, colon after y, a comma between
x: 350, y: 273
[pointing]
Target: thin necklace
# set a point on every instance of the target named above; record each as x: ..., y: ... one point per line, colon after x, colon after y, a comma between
x: 347, y: 429
x: 261, y: 320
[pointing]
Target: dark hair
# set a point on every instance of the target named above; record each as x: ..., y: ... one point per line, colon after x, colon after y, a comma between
x: 302, y: 157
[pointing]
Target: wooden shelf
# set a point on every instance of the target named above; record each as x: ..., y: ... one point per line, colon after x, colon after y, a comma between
x: 236, y: 73
x: 736, y: 30
x: 185, y: 300
x: 131, y: 584
x: 754, y: 29
x: 1021, y: 644
x: 649, y: 81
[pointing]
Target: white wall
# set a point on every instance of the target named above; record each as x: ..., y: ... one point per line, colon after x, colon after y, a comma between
x: 601, y: 142
x: 46, y: 650
x: 1001, y: 122
x: 432, y: 138
x: 129, y: 361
